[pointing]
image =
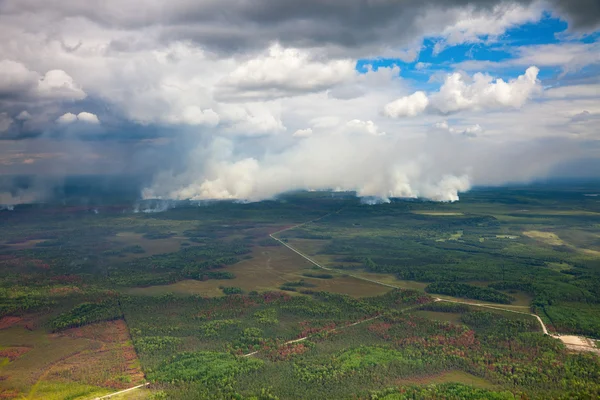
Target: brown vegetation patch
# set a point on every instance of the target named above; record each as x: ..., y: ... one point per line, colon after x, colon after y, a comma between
x: 9, y: 394
x: 65, y: 290
x: 109, y: 332
x: 24, y: 262
x: 287, y: 351
x: 12, y: 353
x: 112, y: 363
x: 112, y: 366
x: 7, y: 322
x: 67, y: 279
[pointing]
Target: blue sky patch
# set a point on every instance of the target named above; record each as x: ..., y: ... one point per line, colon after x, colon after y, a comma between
x: 495, y: 53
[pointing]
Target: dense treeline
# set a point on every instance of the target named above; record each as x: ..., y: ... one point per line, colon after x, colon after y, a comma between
x: 469, y: 292
x: 209, y: 368
x: 448, y: 391
x: 17, y: 300
x: 87, y: 313
x: 317, y: 275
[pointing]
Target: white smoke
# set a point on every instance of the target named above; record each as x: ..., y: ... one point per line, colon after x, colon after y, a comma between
x: 373, y: 166
x: 153, y: 206
x: 9, y: 199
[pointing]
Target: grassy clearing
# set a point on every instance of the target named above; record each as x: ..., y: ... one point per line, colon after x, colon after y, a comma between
x: 545, y: 237
x: 439, y: 316
x: 46, y: 350
x: 268, y: 269
x: 150, y: 246
x: 449, y: 377
x: 552, y: 239
x: 559, y: 266
x: 143, y: 393
x: 45, y: 390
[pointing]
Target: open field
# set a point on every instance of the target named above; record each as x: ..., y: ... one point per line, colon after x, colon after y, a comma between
x: 77, y: 363
x: 545, y: 237
x: 151, y: 246
x: 268, y: 269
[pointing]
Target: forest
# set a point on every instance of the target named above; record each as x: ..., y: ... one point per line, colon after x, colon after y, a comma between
x: 403, y: 300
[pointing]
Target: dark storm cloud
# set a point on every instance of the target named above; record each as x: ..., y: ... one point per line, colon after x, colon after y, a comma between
x: 582, y: 14
x: 232, y: 25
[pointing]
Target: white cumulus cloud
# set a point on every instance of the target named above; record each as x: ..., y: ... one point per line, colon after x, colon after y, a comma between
x: 57, y: 84
x: 86, y: 117
x: 408, y: 106
x: 67, y: 118
x: 368, y: 127
x: 459, y: 92
x: 283, y: 72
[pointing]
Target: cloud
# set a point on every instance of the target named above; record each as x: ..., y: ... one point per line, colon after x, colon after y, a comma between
x: 434, y: 167
x: 84, y: 116
x: 570, y: 57
x: 17, y: 81
x: 194, y: 115
x: 582, y: 116
x: 337, y: 24
x: 368, y: 127
x: 470, y: 131
x: 383, y: 168
x: 251, y: 119
x: 15, y: 78
x: 303, y: 132
x: 573, y: 92
x: 5, y: 122
x: 67, y: 118
x: 583, y: 15
x: 57, y: 84
x: 475, y: 25
x: 88, y: 117
x: 460, y: 92
x: 23, y: 116
x: 483, y: 92
x: 408, y: 106
x: 282, y: 73
x: 229, y: 94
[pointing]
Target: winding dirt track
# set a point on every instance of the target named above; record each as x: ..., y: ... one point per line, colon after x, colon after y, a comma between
x: 108, y: 396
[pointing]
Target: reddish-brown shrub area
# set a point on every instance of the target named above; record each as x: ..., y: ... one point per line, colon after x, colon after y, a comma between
x: 12, y: 353
x: 7, y: 322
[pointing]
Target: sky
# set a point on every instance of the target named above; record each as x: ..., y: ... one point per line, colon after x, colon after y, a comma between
x: 246, y: 99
